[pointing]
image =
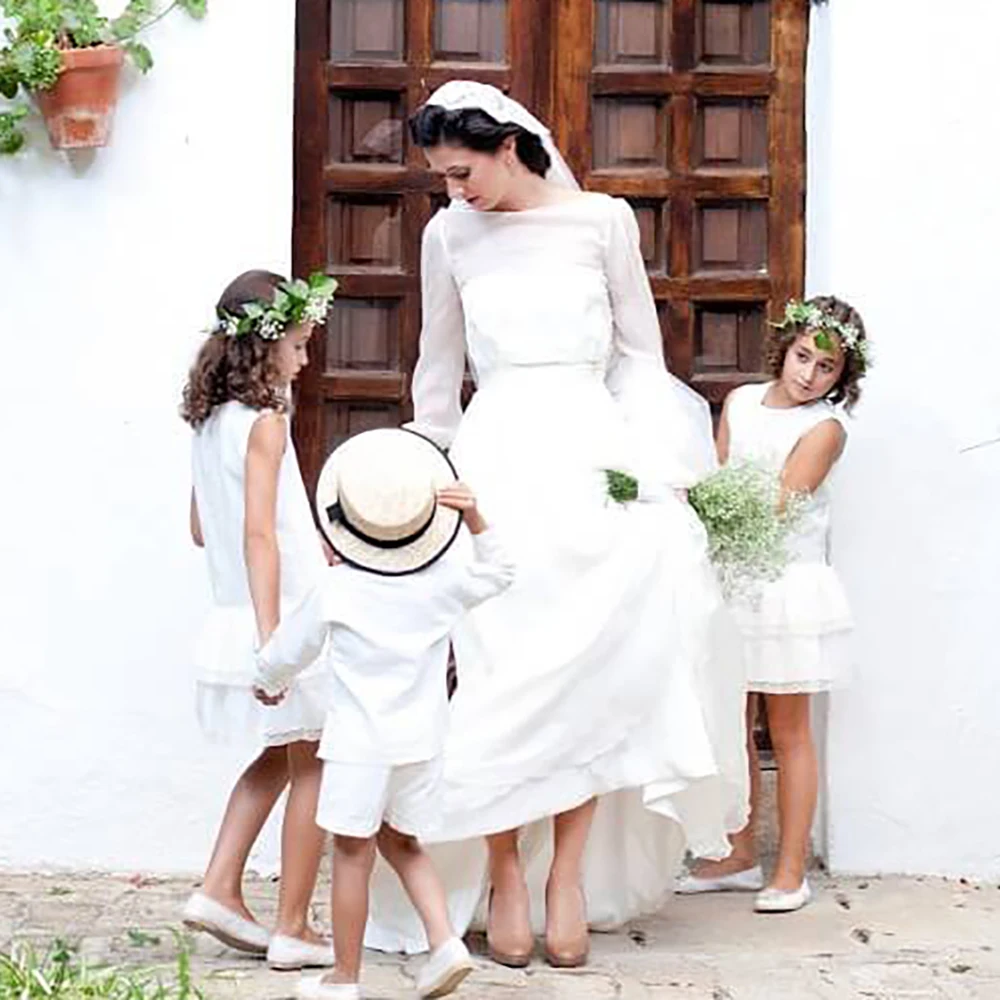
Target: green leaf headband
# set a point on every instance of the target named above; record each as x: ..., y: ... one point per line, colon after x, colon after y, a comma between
x: 294, y: 302
x: 822, y: 324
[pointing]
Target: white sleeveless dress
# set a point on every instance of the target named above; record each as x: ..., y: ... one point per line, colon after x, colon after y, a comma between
x: 592, y: 675
x: 797, y: 637
x: 224, y: 651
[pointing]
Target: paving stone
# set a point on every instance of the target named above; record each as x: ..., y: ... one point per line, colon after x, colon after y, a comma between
x: 863, y: 939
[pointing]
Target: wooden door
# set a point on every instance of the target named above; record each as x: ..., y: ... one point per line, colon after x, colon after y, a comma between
x: 362, y: 193
x: 694, y: 111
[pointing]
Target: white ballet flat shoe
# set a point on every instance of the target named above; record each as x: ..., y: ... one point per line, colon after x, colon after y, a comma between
x: 288, y: 954
x: 748, y: 880
x: 313, y: 988
x: 447, y: 966
x: 779, y: 901
x: 202, y: 913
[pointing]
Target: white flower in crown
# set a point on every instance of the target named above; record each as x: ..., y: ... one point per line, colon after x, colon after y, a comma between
x: 269, y: 328
x: 230, y: 326
x: 316, y: 309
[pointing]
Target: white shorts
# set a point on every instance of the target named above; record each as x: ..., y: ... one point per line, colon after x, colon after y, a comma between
x: 355, y: 799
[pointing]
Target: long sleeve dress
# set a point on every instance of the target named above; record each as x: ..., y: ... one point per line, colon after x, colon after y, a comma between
x: 599, y: 672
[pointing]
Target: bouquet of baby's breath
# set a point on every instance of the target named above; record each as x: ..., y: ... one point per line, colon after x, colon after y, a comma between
x: 747, y: 525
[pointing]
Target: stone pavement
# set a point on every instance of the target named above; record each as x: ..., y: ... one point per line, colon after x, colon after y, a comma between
x: 882, y: 939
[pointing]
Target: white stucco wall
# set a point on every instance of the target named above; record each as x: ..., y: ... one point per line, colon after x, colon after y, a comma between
x: 110, y: 263
x: 903, y: 222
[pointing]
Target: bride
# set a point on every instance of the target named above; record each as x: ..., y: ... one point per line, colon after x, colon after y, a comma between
x: 595, y: 730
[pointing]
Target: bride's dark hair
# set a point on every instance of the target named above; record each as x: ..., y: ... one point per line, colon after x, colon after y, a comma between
x: 433, y: 125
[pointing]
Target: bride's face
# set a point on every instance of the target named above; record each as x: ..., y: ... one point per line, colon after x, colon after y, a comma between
x: 483, y: 180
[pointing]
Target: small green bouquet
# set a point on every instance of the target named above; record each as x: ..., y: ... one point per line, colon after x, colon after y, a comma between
x: 622, y: 488
x: 747, y: 525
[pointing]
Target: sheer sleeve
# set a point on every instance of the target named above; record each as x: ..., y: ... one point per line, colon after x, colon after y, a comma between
x: 437, y: 378
x: 669, y: 422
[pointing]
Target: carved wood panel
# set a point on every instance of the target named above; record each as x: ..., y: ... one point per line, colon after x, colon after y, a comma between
x: 694, y: 111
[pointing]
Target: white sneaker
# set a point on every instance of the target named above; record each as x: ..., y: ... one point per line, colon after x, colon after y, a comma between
x: 444, y: 971
x: 313, y: 988
x: 748, y: 880
x: 779, y: 901
x: 202, y: 913
x: 289, y: 954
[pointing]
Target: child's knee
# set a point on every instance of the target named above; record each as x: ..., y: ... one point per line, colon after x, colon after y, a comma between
x: 302, y: 759
x: 791, y: 736
x: 353, y: 850
x: 394, y: 843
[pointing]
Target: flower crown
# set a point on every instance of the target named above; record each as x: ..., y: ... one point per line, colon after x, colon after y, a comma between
x: 294, y: 302
x: 822, y: 324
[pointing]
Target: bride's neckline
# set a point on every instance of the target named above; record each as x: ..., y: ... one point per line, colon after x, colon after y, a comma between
x: 578, y: 199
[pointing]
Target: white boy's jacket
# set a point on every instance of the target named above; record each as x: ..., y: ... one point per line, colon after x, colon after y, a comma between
x: 386, y: 642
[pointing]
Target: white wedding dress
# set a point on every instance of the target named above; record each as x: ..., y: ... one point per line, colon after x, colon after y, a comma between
x: 600, y: 672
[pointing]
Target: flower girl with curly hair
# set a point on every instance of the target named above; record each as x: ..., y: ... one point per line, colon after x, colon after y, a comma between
x: 250, y: 512
x: 795, y: 632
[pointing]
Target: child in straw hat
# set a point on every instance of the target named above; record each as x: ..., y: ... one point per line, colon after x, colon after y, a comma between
x: 391, y: 507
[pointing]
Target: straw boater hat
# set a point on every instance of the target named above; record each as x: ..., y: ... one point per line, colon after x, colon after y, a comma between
x: 377, y: 502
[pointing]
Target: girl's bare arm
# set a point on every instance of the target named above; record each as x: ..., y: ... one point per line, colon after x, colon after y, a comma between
x: 194, y: 522
x: 813, y: 457
x: 260, y: 539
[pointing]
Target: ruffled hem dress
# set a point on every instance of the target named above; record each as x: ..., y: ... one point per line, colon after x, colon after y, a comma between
x: 224, y: 656
x: 797, y: 633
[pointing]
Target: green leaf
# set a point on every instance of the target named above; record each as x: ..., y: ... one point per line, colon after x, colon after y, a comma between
x: 11, y: 136
x: 622, y: 488
x: 140, y: 8
x: 823, y: 341
x: 322, y: 283
x: 196, y: 8
x: 124, y: 27
x: 132, y: 19
x: 9, y: 82
x: 11, y: 140
x: 140, y: 55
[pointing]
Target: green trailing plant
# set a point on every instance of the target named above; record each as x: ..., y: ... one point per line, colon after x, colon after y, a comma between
x: 38, y: 31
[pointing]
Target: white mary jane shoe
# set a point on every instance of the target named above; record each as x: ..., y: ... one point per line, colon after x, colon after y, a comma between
x: 444, y: 971
x: 313, y: 988
x: 748, y: 880
x: 288, y: 954
x: 202, y: 913
x: 779, y: 901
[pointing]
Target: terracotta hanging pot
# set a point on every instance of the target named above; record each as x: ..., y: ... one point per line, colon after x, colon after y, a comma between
x: 80, y: 108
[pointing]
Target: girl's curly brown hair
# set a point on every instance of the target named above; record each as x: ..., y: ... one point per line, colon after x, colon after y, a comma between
x: 779, y: 339
x: 239, y: 368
